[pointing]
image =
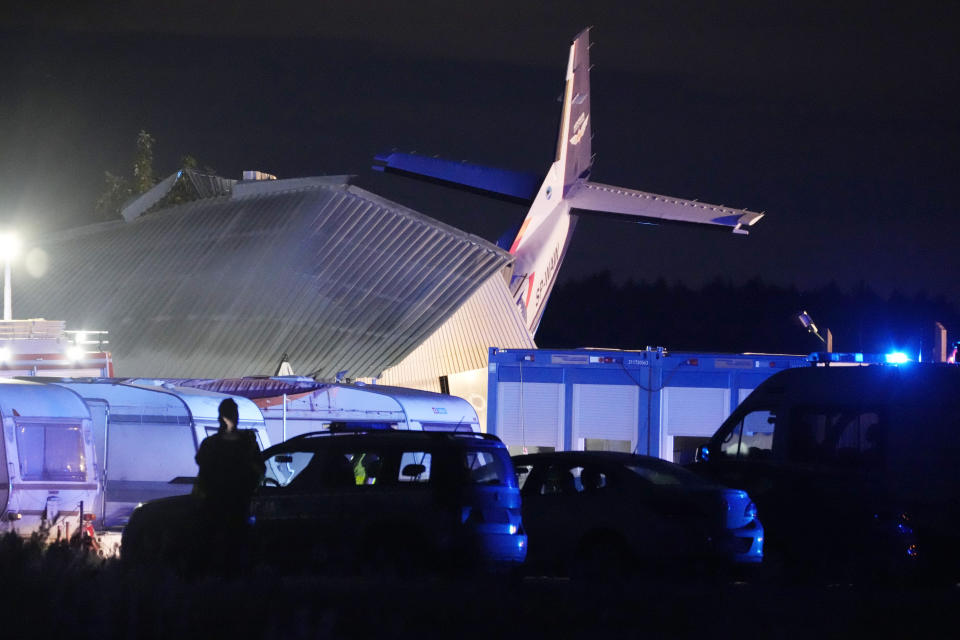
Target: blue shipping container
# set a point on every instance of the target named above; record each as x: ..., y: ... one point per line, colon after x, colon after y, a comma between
x: 652, y: 402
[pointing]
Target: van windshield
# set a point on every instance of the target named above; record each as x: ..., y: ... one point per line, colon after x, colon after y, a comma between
x: 490, y: 467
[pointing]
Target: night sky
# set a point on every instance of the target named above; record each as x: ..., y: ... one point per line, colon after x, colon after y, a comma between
x: 839, y: 120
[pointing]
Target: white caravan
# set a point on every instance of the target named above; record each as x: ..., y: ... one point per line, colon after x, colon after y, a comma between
x: 293, y: 405
x: 146, y: 438
x: 48, y: 476
x: 366, y: 405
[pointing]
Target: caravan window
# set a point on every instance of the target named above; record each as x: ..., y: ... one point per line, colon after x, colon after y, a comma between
x: 143, y: 452
x: 51, y: 451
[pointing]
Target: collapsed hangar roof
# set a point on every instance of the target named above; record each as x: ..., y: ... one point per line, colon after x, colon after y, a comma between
x: 330, y: 274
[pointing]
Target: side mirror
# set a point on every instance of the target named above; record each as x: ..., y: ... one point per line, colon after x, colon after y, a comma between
x: 702, y: 454
x: 413, y: 470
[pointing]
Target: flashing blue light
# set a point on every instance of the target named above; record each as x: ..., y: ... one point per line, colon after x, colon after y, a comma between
x: 897, y: 357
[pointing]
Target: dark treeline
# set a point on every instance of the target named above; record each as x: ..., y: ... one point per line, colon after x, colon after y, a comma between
x: 724, y: 317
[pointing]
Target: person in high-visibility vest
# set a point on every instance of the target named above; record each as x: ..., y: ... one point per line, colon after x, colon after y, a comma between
x: 365, y: 468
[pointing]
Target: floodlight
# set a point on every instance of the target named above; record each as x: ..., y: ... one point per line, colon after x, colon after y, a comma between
x: 807, y: 323
x: 9, y: 246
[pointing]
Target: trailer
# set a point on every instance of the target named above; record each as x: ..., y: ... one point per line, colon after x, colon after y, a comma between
x: 146, y: 437
x: 49, y: 478
x: 293, y: 405
x: 652, y: 402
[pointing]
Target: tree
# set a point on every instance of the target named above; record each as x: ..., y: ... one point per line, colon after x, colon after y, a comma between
x: 120, y: 189
x: 116, y: 193
x: 143, y: 163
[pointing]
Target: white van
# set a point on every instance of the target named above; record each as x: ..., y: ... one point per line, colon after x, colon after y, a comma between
x: 48, y: 471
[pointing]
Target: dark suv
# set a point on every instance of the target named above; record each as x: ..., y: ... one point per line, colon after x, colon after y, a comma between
x: 365, y: 500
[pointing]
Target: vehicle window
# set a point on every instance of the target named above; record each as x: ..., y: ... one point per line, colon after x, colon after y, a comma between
x: 367, y: 467
x: 415, y: 466
x: 843, y: 436
x: 326, y: 470
x: 589, y: 479
x: 557, y: 481
x: 523, y: 473
x: 282, y: 468
x: 51, y: 451
x: 489, y: 466
x: 752, y: 437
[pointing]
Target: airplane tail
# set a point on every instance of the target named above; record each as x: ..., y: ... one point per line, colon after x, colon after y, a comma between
x: 541, y: 244
x: 573, y: 142
x: 564, y: 194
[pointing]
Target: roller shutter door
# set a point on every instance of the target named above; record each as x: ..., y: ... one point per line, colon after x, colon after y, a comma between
x: 694, y: 411
x: 605, y: 412
x: 531, y: 415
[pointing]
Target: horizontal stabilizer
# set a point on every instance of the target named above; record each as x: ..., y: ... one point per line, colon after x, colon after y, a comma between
x: 650, y: 207
x: 513, y: 185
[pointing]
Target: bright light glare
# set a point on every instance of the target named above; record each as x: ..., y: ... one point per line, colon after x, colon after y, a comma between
x: 37, y: 262
x: 75, y: 353
x: 4, y: 355
x: 897, y: 357
x: 9, y: 245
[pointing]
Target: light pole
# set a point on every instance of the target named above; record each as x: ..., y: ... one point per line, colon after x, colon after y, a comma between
x: 9, y: 245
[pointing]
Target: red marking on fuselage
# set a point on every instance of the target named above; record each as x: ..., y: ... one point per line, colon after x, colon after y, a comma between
x: 530, y: 289
x: 516, y: 241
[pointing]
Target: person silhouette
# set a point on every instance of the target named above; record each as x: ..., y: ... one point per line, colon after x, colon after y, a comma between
x: 230, y: 470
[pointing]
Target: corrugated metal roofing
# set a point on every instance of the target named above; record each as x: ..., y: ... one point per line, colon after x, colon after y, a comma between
x: 333, y: 275
x: 488, y: 318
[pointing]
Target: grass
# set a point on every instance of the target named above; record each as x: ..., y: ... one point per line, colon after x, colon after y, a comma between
x: 58, y: 591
